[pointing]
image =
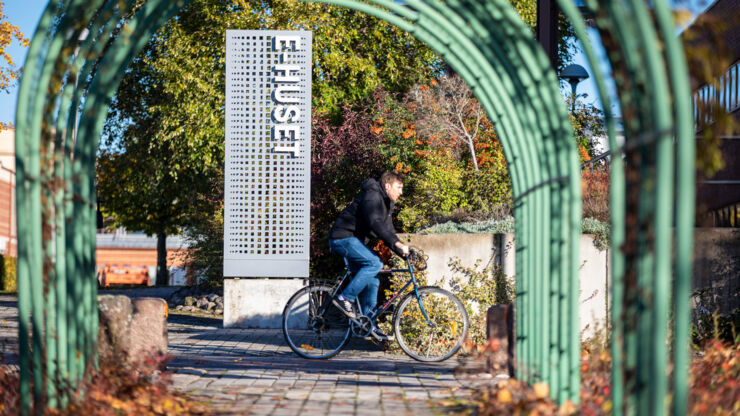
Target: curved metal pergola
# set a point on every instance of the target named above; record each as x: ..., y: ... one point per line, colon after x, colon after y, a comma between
x: 58, y: 126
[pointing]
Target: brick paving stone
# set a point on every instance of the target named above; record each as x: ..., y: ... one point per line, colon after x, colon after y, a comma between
x: 252, y: 371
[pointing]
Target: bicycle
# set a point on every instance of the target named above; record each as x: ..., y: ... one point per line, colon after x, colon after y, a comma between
x: 431, y: 329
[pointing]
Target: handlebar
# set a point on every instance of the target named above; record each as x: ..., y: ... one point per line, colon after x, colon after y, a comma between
x: 417, y: 258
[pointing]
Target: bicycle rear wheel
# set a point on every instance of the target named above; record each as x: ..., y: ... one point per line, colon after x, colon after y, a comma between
x: 438, y: 341
x: 310, y: 333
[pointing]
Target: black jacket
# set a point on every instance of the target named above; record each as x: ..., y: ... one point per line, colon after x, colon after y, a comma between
x: 367, y: 217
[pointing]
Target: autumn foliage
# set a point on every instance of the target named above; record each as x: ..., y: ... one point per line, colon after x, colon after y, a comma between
x: 8, y: 32
x: 715, y: 380
x: 595, y: 191
x: 714, y: 387
x: 115, y: 388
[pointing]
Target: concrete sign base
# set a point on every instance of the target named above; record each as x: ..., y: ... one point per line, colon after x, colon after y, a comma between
x: 257, y: 303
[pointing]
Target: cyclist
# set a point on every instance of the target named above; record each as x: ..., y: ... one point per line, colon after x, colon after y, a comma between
x: 367, y: 217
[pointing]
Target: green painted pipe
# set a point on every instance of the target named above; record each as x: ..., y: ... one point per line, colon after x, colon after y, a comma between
x: 681, y: 93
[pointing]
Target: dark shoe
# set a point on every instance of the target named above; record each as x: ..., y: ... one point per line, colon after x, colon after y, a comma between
x: 379, y: 335
x: 346, y: 307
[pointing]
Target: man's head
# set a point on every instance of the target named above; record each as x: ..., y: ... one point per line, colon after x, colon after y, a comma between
x: 392, y: 184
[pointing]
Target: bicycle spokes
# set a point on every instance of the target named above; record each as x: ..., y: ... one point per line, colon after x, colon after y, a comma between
x: 438, y: 337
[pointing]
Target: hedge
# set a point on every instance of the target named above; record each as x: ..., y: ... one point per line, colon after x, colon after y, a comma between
x: 7, y: 274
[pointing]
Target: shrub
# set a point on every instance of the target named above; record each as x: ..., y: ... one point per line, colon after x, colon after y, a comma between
x: 9, y: 393
x: 114, y: 388
x: 438, y: 190
x: 602, y: 231
x: 713, y: 386
x: 708, y: 326
x: 483, y: 227
x: 588, y: 226
x: 595, y: 192
x: 488, y: 190
x: 480, y: 288
x: 341, y: 158
x: 205, y: 256
x: 8, y: 280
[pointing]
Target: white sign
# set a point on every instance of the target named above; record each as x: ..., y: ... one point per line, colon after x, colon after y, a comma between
x: 268, y: 153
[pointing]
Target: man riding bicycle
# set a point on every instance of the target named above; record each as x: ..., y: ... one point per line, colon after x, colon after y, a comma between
x: 367, y: 217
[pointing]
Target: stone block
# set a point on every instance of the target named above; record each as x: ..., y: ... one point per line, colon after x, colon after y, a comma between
x: 131, y: 329
x: 257, y: 303
x: 114, y: 317
x: 148, y: 328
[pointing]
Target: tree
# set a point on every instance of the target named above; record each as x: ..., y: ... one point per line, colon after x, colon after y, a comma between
x: 448, y: 113
x: 527, y: 9
x: 144, y: 197
x: 149, y: 179
x: 164, y: 134
x: 8, y: 70
x: 589, y: 127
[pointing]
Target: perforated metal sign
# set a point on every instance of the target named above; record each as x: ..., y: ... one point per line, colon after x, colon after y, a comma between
x: 268, y: 153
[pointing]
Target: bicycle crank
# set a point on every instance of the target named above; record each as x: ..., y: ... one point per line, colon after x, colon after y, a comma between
x: 361, y: 326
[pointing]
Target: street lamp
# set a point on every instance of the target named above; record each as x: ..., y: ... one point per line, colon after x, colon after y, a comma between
x: 574, y: 74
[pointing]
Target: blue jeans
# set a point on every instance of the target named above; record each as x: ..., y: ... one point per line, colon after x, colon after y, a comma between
x: 364, y: 265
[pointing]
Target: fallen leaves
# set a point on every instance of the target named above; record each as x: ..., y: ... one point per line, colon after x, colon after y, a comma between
x: 512, y: 397
x: 715, y: 380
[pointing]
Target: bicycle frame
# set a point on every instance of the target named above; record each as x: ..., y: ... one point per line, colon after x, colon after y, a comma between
x: 379, y: 311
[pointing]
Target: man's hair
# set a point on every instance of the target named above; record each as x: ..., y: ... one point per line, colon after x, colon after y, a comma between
x: 390, y: 178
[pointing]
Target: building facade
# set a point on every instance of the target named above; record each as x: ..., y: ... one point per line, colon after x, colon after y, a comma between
x: 113, y: 249
x: 714, y: 37
x: 8, y: 236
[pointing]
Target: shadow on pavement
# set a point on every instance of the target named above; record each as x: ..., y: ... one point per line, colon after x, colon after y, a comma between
x: 229, y: 366
x: 193, y: 320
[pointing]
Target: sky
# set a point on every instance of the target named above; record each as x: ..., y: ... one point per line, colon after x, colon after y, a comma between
x: 26, y: 13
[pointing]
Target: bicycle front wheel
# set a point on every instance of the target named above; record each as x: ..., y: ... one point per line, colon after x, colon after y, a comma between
x: 437, y: 339
x: 312, y: 326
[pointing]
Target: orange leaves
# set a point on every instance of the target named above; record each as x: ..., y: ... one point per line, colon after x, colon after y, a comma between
x: 541, y: 390
x: 409, y: 132
x: 504, y: 396
x: 512, y: 397
x: 401, y: 168
x: 8, y: 31
x: 595, y: 191
x: 714, y: 381
x: 383, y: 251
x: 377, y: 127
x: 583, y: 153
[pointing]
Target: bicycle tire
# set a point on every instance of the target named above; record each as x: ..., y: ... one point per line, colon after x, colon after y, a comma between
x: 439, y: 342
x: 311, y: 336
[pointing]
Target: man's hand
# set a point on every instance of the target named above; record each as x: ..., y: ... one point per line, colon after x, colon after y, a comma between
x: 404, y: 248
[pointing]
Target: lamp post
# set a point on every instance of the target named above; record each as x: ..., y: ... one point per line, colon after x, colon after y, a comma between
x: 574, y: 74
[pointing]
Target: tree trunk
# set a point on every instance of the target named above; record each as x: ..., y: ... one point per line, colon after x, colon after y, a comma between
x: 163, y: 275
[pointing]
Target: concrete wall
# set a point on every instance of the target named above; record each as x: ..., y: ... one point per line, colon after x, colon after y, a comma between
x: 259, y: 302
x: 500, y: 248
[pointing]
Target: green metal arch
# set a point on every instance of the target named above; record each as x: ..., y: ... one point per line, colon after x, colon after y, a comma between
x: 486, y: 42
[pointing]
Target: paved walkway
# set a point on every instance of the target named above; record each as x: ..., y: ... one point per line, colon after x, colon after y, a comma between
x: 252, y: 371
